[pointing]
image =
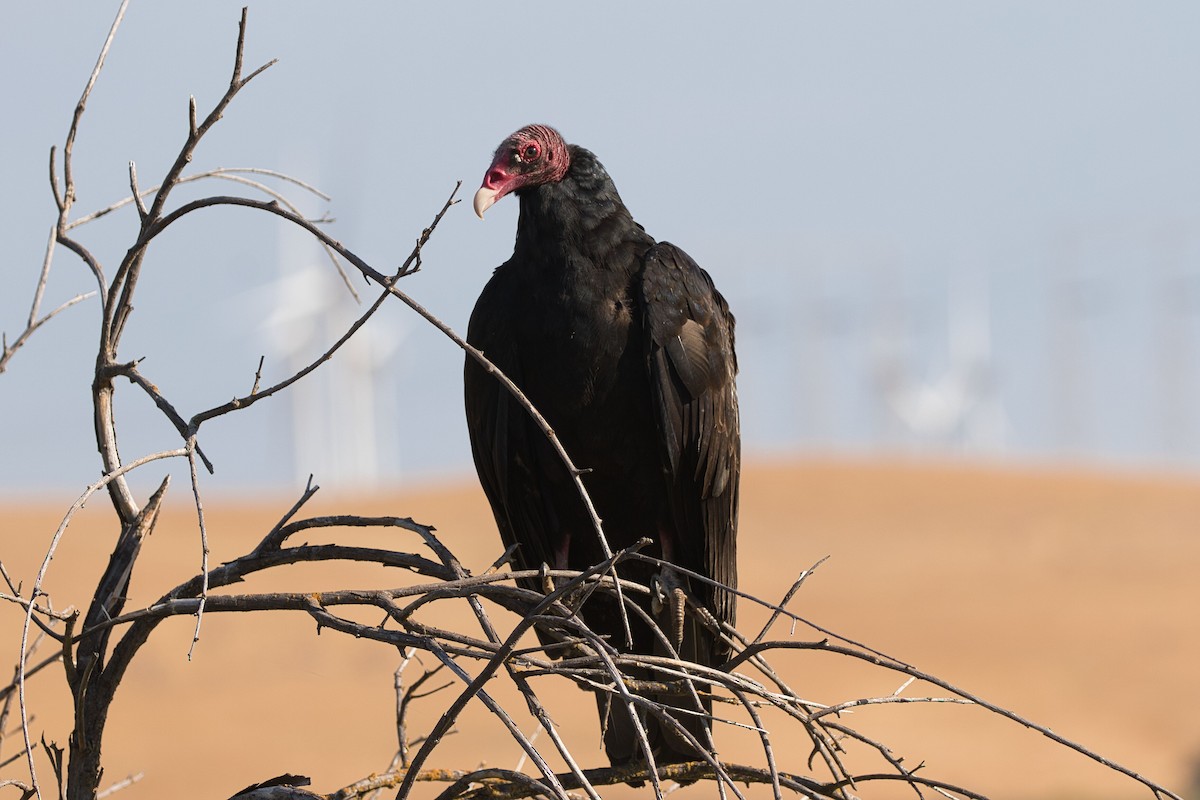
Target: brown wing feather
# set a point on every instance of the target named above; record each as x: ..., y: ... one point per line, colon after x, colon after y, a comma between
x: 690, y: 356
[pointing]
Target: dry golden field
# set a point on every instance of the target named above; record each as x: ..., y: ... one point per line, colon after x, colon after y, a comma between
x: 1072, y: 598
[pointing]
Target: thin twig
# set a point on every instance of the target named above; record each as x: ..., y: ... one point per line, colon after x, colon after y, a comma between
x: 124, y: 783
x: 791, y: 592
x: 137, y: 198
x: 276, y: 535
x: 8, y: 350
x: 204, y: 549
x: 220, y: 172
x: 68, y: 172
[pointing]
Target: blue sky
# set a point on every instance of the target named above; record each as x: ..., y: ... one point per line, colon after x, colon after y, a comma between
x: 861, y: 179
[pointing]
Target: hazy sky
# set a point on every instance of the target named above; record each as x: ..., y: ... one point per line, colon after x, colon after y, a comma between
x: 831, y: 164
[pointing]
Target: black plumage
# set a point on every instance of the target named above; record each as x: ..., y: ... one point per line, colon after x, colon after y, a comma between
x: 627, y: 349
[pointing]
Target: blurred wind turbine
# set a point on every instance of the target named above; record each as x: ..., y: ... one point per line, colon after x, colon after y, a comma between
x: 962, y: 405
x: 337, y: 424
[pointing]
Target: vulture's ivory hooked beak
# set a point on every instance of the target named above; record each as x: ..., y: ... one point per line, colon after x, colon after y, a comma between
x: 484, y: 199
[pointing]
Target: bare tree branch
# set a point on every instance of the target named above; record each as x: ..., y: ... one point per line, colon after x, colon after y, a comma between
x: 37, y: 591
x: 7, y: 351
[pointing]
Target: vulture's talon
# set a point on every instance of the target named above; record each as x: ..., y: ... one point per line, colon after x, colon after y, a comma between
x: 679, y: 614
x: 667, y: 593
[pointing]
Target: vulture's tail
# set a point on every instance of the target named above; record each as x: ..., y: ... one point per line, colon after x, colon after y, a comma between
x: 669, y: 744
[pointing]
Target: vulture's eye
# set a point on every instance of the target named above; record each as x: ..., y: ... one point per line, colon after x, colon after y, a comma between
x: 530, y: 152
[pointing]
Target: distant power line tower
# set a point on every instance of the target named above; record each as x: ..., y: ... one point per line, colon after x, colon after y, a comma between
x: 961, y: 407
x: 1177, y: 312
x: 341, y: 427
x: 1075, y: 300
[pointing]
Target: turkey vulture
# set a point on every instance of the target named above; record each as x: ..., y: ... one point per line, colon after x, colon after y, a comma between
x: 626, y: 348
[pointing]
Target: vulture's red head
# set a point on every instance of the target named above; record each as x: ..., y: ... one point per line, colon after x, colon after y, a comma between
x: 534, y: 155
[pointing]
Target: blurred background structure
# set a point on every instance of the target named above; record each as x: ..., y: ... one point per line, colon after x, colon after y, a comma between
x: 945, y: 228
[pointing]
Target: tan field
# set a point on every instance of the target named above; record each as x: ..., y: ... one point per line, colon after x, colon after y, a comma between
x: 1070, y: 598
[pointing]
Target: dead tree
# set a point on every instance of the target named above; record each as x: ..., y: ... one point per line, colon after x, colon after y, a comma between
x: 97, y: 645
